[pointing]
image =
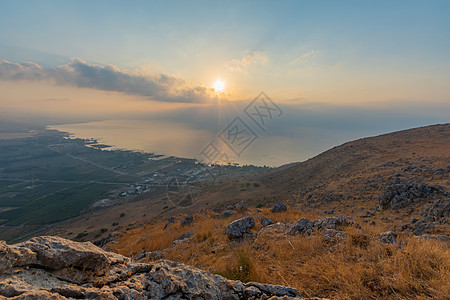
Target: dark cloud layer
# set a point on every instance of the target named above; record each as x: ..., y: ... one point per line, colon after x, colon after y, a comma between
x: 78, y: 73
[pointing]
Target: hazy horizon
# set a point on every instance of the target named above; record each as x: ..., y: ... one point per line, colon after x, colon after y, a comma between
x: 337, y: 71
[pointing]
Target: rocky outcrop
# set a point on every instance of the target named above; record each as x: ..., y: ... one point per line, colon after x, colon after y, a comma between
x: 238, y: 228
x: 55, y: 268
x: 400, y: 194
x: 304, y: 226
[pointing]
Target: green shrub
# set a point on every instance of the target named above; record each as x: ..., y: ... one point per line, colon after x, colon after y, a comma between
x: 241, y: 271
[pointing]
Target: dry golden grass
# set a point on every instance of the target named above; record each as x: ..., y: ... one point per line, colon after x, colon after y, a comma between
x: 357, y: 268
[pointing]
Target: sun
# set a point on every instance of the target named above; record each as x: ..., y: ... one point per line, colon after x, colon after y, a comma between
x: 218, y: 86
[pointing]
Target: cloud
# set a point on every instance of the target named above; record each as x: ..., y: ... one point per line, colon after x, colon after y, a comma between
x: 305, y: 57
x: 23, y: 71
x: 253, y: 58
x: 79, y: 73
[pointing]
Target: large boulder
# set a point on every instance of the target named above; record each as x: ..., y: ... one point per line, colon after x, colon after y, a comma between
x: 51, y: 268
x: 56, y: 253
x: 238, y: 228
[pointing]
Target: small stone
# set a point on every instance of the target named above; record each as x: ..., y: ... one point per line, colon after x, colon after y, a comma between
x: 388, y: 237
x: 238, y: 228
x: 303, y: 226
x: 266, y: 222
x: 279, y: 207
x: 187, y: 221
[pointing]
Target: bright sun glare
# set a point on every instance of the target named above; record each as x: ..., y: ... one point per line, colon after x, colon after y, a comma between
x: 219, y: 86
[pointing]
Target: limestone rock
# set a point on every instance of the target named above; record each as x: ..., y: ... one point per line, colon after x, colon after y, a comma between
x: 54, y: 268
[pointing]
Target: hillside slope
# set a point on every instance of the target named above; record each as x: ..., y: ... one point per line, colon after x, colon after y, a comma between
x: 347, y: 180
x: 350, y: 179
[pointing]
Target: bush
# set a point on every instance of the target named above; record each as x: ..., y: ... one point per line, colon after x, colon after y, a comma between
x: 81, y: 235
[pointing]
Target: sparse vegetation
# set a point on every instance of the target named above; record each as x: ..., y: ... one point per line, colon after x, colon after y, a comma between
x: 81, y: 235
x: 240, y: 269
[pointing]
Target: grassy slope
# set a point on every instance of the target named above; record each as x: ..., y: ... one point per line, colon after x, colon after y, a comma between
x: 357, y: 268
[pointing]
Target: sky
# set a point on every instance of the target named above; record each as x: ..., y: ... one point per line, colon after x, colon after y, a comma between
x: 338, y: 69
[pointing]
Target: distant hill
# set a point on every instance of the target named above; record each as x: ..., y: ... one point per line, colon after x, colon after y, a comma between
x: 347, y: 180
